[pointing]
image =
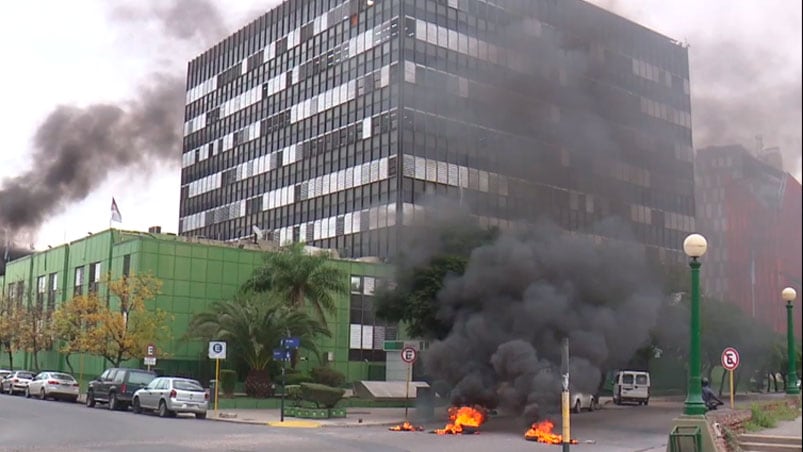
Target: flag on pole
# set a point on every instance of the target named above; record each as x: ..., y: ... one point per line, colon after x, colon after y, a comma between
x: 116, y: 212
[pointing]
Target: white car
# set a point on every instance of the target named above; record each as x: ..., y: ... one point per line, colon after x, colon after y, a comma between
x: 580, y: 401
x: 16, y: 382
x: 170, y: 395
x: 56, y: 385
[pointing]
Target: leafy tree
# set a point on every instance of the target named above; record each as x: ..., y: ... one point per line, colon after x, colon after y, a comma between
x: 10, y: 321
x: 72, y: 325
x: 413, y: 298
x: 252, y: 325
x: 35, y: 332
x: 301, y: 279
x: 123, y: 332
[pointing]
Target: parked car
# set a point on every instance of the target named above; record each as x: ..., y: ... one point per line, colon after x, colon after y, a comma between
x: 581, y: 401
x: 56, y: 385
x: 116, y: 387
x: 16, y: 382
x: 3, y: 373
x: 170, y: 395
x: 631, y: 386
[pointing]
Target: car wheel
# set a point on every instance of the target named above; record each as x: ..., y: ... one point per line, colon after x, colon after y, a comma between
x: 577, y: 406
x: 113, y: 405
x: 42, y: 394
x: 200, y: 415
x: 646, y: 402
x: 73, y: 399
x: 27, y: 393
x: 163, y: 411
x: 135, y: 406
x: 90, y: 399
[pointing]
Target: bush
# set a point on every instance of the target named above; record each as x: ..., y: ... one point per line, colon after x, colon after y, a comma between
x: 321, y: 395
x: 297, y: 378
x: 228, y: 379
x: 293, y: 393
x: 328, y: 376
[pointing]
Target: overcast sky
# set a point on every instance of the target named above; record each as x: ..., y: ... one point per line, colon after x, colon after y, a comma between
x: 745, y: 63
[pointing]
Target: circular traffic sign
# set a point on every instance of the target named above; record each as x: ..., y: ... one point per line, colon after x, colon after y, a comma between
x: 730, y: 358
x: 408, y: 355
x: 217, y: 347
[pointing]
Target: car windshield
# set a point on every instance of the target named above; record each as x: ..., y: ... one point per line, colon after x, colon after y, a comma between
x: 59, y: 376
x: 26, y: 375
x: 187, y: 385
x: 140, y: 378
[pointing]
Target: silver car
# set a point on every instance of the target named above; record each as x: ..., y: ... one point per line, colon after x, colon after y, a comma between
x: 170, y: 395
x: 56, y: 385
x: 16, y: 382
x: 581, y: 401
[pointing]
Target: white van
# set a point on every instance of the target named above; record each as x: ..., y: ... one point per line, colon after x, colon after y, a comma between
x: 631, y: 386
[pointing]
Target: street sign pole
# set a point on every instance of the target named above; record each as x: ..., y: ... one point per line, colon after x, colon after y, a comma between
x: 217, y: 382
x: 284, y: 389
x: 407, y: 390
x: 730, y: 384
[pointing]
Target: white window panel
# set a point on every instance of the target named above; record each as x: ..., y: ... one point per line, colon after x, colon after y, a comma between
x: 420, y: 168
x: 355, y: 336
x: 384, y: 76
x: 341, y: 180
x: 358, y: 175
x: 365, y: 173
x: 391, y: 216
x: 302, y: 233
x: 484, y: 181
x: 366, y: 128
x: 408, y: 165
x: 374, y: 171
x: 325, y: 185
x: 383, y: 168
x: 356, y: 221
x: 349, y: 177
x: 373, y: 218
x: 432, y: 171
x: 347, y: 227
x: 367, y: 337
x: 443, y: 173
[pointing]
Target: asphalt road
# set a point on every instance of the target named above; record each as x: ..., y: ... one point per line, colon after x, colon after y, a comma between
x: 34, y: 425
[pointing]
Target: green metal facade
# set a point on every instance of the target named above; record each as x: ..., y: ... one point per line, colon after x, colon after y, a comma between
x: 193, y: 275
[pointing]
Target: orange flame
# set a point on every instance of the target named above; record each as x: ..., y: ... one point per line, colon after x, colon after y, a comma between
x: 463, y: 419
x: 542, y: 433
x: 406, y: 427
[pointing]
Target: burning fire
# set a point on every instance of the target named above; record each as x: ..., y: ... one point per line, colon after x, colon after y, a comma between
x: 464, y: 419
x: 542, y: 433
x: 406, y: 427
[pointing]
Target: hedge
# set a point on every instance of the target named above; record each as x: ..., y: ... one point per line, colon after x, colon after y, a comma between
x: 321, y: 395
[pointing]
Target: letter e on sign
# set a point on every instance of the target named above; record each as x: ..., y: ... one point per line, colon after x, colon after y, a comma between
x: 408, y: 355
x: 730, y: 358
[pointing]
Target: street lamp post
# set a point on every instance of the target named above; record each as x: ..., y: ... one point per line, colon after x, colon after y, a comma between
x: 789, y: 296
x: 694, y: 246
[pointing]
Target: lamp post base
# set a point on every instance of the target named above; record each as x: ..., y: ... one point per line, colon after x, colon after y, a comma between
x: 694, y: 408
x: 685, y: 431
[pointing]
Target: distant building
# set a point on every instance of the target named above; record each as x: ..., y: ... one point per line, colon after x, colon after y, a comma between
x: 332, y: 121
x: 750, y: 212
x: 194, y: 273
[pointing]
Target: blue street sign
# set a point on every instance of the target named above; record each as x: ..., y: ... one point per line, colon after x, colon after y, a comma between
x: 291, y: 342
x: 281, y: 355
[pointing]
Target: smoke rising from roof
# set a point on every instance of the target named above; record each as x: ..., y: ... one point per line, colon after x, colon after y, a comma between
x: 75, y: 149
x: 522, y: 294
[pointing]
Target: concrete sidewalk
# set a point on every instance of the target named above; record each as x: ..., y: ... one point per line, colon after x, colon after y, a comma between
x: 786, y: 428
x: 356, y: 417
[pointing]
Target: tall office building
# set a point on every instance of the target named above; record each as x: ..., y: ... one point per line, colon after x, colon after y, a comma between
x: 750, y: 212
x: 332, y: 121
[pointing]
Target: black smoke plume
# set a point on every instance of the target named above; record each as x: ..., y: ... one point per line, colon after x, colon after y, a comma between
x: 521, y: 295
x: 75, y: 149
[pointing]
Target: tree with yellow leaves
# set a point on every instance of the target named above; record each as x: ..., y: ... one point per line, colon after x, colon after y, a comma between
x: 35, y: 333
x: 72, y: 323
x: 117, y: 330
x: 10, y: 322
x: 122, y: 332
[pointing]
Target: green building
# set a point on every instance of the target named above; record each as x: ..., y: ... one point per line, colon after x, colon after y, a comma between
x: 194, y: 273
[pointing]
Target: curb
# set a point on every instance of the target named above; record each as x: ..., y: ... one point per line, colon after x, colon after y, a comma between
x: 318, y: 425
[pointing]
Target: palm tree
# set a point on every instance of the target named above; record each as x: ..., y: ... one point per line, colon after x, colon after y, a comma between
x: 252, y: 325
x: 301, y: 280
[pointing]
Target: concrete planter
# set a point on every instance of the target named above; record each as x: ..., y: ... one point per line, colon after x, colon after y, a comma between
x: 314, y: 413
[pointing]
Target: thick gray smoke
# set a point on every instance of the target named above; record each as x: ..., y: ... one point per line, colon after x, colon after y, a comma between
x: 521, y: 295
x: 76, y: 148
x: 745, y: 67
